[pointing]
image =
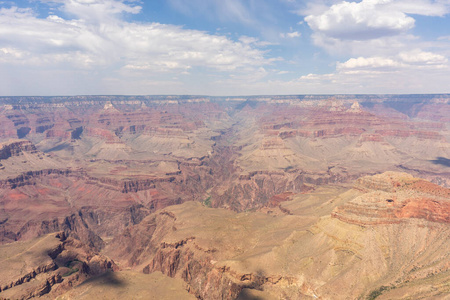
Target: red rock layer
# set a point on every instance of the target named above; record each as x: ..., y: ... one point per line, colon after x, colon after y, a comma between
x: 392, y: 197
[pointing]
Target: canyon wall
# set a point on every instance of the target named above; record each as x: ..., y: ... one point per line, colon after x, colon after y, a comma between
x: 115, y: 173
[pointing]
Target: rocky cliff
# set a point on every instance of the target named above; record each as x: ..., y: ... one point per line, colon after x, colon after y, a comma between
x: 15, y: 148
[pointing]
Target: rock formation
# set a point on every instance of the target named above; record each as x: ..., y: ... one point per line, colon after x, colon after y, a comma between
x: 394, y: 197
x: 15, y: 148
x: 48, y: 265
x: 223, y: 193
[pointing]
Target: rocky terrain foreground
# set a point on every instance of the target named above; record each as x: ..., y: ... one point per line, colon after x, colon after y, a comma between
x: 313, y: 246
x: 282, y: 197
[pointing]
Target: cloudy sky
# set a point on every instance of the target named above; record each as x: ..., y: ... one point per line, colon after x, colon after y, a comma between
x: 224, y: 47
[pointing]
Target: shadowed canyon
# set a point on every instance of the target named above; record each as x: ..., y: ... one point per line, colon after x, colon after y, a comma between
x: 192, y: 197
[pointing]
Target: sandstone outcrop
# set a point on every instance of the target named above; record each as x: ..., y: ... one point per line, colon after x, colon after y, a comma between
x: 394, y: 197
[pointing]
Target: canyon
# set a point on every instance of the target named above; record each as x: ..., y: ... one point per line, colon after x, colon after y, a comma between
x: 262, y: 197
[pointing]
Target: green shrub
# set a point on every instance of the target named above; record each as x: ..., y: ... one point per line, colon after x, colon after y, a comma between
x: 374, y: 294
x: 207, y: 202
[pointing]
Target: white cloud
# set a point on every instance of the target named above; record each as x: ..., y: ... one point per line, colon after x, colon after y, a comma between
x: 411, y: 71
x: 347, y: 23
x: 383, y: 46
x: 293, y: 34
x: 248, y: 40
x: 370, y: 28
x: 251, y: 76
x: 414, y: 71
x: 407, y: 61
x: 418, y: 56
x: 98, y: 38
x: 89, y: 47
x: 365, y: 20
x: 371, y: 63
x: 254, y: 41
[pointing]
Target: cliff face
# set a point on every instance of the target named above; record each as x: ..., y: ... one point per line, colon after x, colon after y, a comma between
x: 254, y: 190
x: 183, y: 258
x: 76, y: 208
x: 16, y: 148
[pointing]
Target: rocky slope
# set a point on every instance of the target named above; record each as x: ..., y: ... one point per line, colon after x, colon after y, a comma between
x: 41, y: 193
x: 47, y: 266
x: 126, y: 284
x: 304, y: 248
x: 395, y: 197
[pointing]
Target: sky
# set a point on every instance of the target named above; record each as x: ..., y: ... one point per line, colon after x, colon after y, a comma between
x: 224, y: 47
